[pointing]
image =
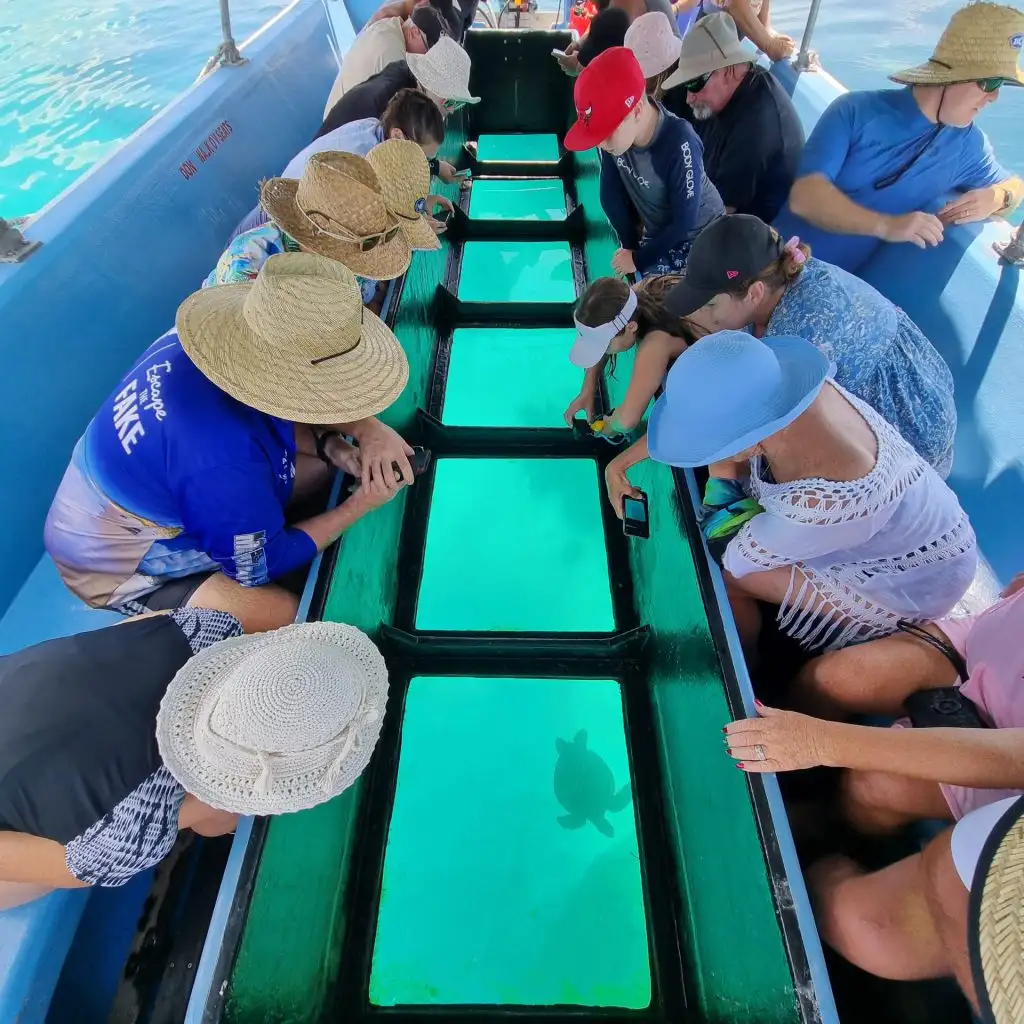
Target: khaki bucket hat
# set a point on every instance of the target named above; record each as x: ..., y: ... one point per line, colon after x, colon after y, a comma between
x: 711, y: 44
x: 295, y: 343
x: 274, y: 722
x: 404, y: 176
x: 443, y: 70
x: 995, y: 932
x: 982, y: 40
x: 336, y: 209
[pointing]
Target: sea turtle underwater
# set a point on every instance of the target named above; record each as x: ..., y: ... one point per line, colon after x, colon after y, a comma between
x: 585, y: 786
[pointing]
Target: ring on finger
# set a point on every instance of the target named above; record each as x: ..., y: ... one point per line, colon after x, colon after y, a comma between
x: 759, y: 752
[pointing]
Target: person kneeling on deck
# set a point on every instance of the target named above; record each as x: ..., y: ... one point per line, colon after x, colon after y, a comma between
x: 113, y: 740
x: 342, y: 209
x: 611, y: 318
x: 747, y: 123
x: 741, y: 274
x: 857, y: 532
x: 184, y: 488
x: 410, y: 115
x: 653, y: 186
x: 379, y: 43
x: 878, y: 164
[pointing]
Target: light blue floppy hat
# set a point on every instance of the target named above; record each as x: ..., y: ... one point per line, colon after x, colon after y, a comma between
x: 729, y: 391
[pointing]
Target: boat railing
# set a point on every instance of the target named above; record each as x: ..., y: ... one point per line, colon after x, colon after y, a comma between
x: 226, y: 55
x: 806, y: 58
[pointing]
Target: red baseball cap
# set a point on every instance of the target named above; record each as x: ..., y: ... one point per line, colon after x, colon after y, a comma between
x: 609, y: 87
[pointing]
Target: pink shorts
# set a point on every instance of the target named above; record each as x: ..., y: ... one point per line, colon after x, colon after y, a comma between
x: 961, y: 800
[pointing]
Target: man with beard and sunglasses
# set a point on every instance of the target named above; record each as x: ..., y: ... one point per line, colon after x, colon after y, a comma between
x: 750, y: 129
x: 880, y: 165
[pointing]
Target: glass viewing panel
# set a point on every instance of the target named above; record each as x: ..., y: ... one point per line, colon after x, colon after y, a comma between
x: 534, y: 199
x: 516, y: 272
x: 514, y: 148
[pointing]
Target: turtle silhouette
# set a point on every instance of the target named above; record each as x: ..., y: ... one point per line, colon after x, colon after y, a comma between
x: 585, y: 786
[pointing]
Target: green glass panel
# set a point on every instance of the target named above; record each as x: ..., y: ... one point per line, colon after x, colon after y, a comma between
x: 517, y: 199
x: 497, y: 886
x: 500, y: 377
x: 516, y: 272
x: 518, y: 148
x: 516, y: 544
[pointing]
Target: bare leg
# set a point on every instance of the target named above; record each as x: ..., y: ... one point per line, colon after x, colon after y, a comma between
x: 258, y: 609
x: 872, y: 678
x: 878, y: 803
x: 747, y: 613
x: 906, y: 922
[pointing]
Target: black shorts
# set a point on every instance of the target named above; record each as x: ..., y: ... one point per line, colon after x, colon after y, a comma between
x: 175, y: 594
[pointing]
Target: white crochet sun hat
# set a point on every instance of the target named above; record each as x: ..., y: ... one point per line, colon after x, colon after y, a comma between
x: 275, y: 722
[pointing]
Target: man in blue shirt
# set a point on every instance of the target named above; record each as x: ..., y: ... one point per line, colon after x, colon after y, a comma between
x: 183, y: 489
x: 653, y: 186
x: 879, y: 165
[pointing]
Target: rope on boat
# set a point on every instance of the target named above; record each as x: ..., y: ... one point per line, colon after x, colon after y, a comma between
x: 226, y: 55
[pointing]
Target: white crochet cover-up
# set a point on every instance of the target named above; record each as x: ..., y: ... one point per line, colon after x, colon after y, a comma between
x: 863, y: 554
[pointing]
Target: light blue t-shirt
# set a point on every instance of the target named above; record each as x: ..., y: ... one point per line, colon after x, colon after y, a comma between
x: 862, y: 139
x: 881, y: 355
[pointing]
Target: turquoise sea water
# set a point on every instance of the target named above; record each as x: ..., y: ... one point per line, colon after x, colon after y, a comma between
x: 79, y: 77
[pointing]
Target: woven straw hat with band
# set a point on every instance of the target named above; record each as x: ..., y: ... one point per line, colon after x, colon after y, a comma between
x: 995, y: 929
x: 295, y: 343
x: 274, y: 722
x: 443, y: 70
x: 336, y: 209
x: 404, y: 176
x: 982, y: 40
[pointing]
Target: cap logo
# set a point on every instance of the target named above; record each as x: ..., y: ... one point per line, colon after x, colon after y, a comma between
x: 585, y: 115
x: 1017, y: 41
x: 630, y: 100
x: 732, y: 273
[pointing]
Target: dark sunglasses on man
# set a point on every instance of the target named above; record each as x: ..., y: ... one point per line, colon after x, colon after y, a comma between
x: 694, y: 85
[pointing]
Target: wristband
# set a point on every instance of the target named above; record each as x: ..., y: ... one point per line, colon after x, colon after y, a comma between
x: 321, y: 445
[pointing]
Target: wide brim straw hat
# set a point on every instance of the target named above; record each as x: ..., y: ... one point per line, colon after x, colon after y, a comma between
x: 336, y: 210
x: 728, y: 392
x: 297, y: 342
x: 711, y: 44
x: 443, y: 70
x: 982, y: 40
x: 656, y: 46
x: 404, y: 176
x: 275, y: 722
x: 995, y: 930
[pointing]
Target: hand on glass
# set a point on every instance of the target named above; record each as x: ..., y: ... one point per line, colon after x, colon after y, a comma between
x: 777, y: 741
x: 622, y: 262
x: 583, y: 402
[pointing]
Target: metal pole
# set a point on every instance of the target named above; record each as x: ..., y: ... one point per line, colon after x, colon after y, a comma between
x: 805, y: 59
x: 227, y: 54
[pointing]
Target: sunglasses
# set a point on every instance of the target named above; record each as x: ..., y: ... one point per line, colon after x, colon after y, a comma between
x: 695, y: 85
x: 990, y: 85
x: 364, y: 243
x: 451, y: 106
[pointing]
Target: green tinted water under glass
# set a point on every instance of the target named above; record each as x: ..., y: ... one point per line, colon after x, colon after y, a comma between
x: 516, y: 272
x: 498, y: 887
x: 501, y: 377
x: 516, y: 545
x: 540, y: 199
x: 518, y: 148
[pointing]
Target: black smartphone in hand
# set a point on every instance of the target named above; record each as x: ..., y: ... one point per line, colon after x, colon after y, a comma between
x: 419, y: 460
x: 635, y: 521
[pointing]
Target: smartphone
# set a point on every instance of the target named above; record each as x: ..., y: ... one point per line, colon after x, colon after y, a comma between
x: 444, y: 217
x: 581, y: 429
x: 634, y: 517
x: 942, y: 708
x: 419, y: 460
x: 558, y: 53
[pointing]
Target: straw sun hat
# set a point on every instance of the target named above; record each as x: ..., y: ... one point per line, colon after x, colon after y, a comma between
x: 982, y: 40
x: 996, y: 921
x: 656, y: 46
x: 404, y: 176
x: 443, y: 70
x: 295, y: 343
x: 337, y: 209
x: 275, y: 722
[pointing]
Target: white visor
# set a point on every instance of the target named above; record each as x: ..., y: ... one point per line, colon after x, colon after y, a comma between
x: 591, y: 344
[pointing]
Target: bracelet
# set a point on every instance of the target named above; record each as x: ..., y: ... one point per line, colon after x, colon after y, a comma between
x: 321, y: 445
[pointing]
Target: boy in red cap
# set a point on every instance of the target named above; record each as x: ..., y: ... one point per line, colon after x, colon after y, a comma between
x: 653, y: 186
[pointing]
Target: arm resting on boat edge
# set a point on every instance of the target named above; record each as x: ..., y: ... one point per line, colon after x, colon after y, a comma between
x: 821, y: 203
x: 30, y: 867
